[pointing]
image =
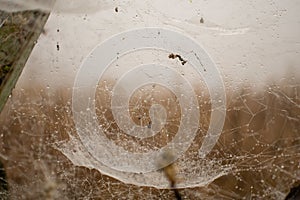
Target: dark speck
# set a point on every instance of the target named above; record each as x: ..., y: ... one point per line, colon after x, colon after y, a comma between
x: 173, y: 56
x: 294, y: 193
x: 116, y: 9
x: 149, y: 125
x: 201, y: 20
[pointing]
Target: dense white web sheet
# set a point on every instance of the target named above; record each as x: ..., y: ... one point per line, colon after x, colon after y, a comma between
x: 257, y: 154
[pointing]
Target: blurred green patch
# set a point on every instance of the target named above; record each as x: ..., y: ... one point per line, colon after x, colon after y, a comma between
x: 18, y: 34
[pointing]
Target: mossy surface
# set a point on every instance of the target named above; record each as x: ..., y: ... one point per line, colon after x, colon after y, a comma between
x: 18, y: 34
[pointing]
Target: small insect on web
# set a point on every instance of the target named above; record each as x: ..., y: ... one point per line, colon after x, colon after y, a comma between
x: 170, y: 171
x: 173, y: 56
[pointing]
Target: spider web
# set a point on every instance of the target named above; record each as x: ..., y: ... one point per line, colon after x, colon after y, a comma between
x: 256, y: 156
